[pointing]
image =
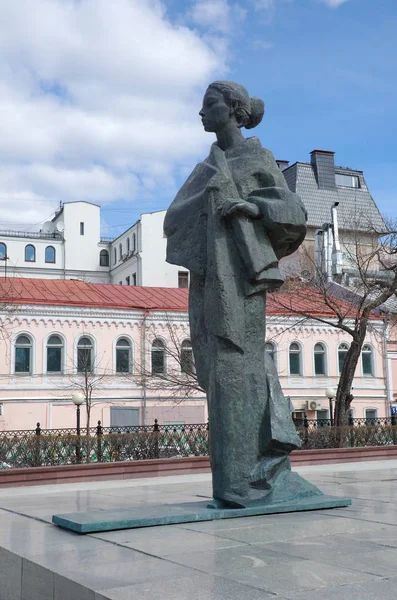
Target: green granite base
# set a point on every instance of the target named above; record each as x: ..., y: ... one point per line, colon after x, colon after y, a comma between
x: 192, y: 512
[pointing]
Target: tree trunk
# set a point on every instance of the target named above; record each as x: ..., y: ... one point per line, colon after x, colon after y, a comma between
x: 344, y: 396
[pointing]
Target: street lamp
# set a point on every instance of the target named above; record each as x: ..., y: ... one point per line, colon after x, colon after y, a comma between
x: 330, y: 393
x: 78, y: 400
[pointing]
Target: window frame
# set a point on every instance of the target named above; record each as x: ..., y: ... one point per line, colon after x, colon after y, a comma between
x: 34, y: 253
x: 61, y: 346
x: 339, y: 349
x: 5, y: 251
x: 369, y: 419
x: 45, y: 255
x: 183, y: 276
x: 186, y: 346
x: 118, y: 348
x: 272, y: 354
x: 324, y: 355
x: 92, y: 357
x: 30, y: 346
x: 300, y: 355
x: 104, y: 253
x: 369, y: 352
x: 163, y: 350
x: 115, y: 255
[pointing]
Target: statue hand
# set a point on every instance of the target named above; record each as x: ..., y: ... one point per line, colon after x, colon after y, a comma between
x: 240, y: 208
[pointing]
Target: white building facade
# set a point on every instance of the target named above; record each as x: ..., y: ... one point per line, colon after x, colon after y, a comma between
x: 70, y: 246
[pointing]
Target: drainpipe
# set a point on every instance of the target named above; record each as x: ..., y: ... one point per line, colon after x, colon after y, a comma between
x: 63, y: 256
x: 143, y: 366
x: 389, y: 393
x: 336, y: 254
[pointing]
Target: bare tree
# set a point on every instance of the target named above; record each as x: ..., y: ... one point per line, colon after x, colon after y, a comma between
x: 171, y: 367
x: 88, y: 378
x: 366, y: 283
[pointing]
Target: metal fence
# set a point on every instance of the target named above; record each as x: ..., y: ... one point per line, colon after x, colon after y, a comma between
x: 47, y: 447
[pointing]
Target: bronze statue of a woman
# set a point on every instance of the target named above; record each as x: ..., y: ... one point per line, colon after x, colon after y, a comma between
x: 230, y: 223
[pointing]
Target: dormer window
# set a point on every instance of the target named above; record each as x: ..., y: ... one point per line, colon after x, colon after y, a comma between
x: 342, y: 179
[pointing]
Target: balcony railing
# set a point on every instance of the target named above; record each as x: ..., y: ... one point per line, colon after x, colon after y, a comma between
x: 31, y: 234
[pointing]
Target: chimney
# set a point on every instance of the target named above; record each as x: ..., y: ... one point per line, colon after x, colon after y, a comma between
x: 324, y: 168
x: 282, y: 164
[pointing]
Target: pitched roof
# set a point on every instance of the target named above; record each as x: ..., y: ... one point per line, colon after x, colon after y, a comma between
x: 68, y: 292
x: 355, y: 204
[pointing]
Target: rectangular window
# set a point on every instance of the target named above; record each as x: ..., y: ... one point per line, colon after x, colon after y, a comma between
x: 294, y: 363
x: 347, y: 180
x: 122, y: 360
x: 322, y: 418
x: 183, y: 279
x: 84, y: 363
x: 54, y: 360
x: 22, y: 360
x: 134, y: 279
x: 370, y: 416
x: 158, y: 363
x: 341, y: 359
x: 367, y: 363
x: 81, y: 228
x: 319, y: 364
x: 127, y: 280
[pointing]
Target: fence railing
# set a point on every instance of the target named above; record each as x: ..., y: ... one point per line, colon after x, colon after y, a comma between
x: 48, y: 447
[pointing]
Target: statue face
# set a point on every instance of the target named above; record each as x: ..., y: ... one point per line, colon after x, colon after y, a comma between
x: 215, y: 113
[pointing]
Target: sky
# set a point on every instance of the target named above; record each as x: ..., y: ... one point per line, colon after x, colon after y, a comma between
x: 99, y: 99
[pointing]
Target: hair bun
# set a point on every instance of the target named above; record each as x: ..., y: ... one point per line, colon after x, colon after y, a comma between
x: 257, y: 112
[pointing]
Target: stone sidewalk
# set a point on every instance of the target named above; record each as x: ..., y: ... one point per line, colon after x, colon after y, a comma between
x: 338, y: 554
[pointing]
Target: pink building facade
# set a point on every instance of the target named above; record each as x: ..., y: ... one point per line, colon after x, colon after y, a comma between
x: 59, y: 337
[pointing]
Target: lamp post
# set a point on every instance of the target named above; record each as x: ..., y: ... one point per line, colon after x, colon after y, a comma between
x: 330, y: 393
x: 78, y: 400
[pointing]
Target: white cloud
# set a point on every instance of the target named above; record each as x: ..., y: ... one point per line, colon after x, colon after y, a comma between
x: 220, y: 16
x: 98, y: 101
x: 334, y: 3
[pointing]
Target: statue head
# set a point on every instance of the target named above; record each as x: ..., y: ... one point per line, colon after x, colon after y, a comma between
x: 226, y: 101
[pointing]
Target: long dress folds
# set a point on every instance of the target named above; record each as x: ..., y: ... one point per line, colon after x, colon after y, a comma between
x: 233, y: 262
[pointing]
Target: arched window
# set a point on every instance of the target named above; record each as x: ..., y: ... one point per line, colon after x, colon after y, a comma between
x: 104, y: 258
x: 295, y: 359
x: 3, y: 251
x: 123, y: 356
x: 50, y: 254
x: 367, y: 360
x: 23, y: 354
x: 30, y: 253
x: 158, y: 357
x: 270, y: 350
x: 85, y: 349
x: 342, y: 353
x: 128, y: 244
x: 114, y: 256
x: 133, y: 242
x: 54, y: 354
x: 120, y: 251
x: 187, y: 361
x: 319, y: 359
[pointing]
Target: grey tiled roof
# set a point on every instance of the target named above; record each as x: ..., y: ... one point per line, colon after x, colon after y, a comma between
x: 356, y: 209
